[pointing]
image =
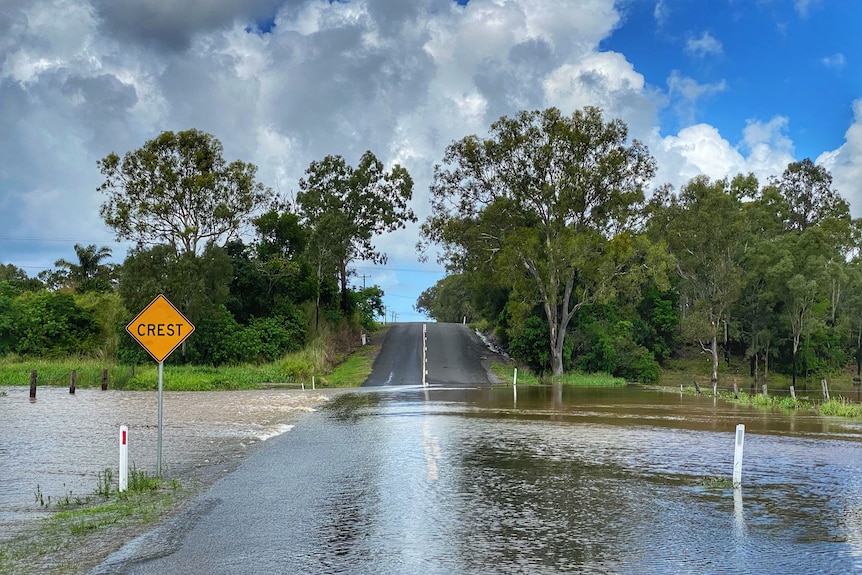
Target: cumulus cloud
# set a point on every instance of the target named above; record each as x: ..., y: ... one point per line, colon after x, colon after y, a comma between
x: 835, y: 61
x: 768, y: 147
x: 845, y: 163
x: 609, y: 81
x: 699, y: 149
x: 685, y: 93
x: 402, y: 79
x: 706, y: 45
x: 170, y: 25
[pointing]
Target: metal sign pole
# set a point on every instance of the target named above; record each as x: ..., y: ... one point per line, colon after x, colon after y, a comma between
x: 159, y: 443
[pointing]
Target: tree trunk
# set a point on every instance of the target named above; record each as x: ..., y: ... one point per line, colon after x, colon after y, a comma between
x: 859, y: 353
x: 345, y: 304
x: 794, y: 366
x: 714, y: 352
x: 556, y: 347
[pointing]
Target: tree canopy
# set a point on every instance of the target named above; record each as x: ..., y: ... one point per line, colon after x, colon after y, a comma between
x: 546, y: 202
x: 344, y: 208
x: 177, y: 189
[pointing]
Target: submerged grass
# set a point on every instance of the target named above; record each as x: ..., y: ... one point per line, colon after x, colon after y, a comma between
x: 505, y: 371
x: 63, y: 542
x: 836, y: 407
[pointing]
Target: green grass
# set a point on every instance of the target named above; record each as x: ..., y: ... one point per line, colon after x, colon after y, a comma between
x: 64, y: 541
x: 354, y: 370
x: 505, y: 372
x: 836, y: 407
x: 840, y: 407
x: 16, y: 371
x: 319, y: 359
x: 716, y: 482
x: 176, y: 377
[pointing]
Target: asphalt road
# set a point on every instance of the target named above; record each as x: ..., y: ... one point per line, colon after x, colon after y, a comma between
x: 455, y: 356
x: 300, y: 504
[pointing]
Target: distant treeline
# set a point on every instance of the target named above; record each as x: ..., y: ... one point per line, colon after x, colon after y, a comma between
x: 553, y: 245
x: 186, y: 208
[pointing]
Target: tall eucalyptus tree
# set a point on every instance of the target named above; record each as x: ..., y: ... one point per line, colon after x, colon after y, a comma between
x: 547, y: 202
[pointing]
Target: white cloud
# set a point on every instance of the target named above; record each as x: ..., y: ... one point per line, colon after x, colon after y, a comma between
x: 661, y: 12
x: 845, y: 163
x: 835, y: 61
x: 606, y: 80
x: 402, y: 79
x: 802, y: 7
x: 695, y: 150
x: 769, y: 148
x: 706, y: 45
x: 38, y: 42
x: 700, y: 149
x: 685, y: 93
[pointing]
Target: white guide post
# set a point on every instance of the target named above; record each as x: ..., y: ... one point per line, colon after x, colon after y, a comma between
x: 424, y: 355
x: 515, y: 385
x: 124, y: 459
x: 737, y: 456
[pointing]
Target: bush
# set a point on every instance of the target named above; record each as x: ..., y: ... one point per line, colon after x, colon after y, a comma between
x: 49, y: 324
x: 529, y: 344
x: 274, y: 336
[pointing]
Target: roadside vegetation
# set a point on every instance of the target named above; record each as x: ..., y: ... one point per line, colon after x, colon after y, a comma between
x: 505, y: 372
x: 334, y: 359
x: 591, y: 269
x: 65, y: 540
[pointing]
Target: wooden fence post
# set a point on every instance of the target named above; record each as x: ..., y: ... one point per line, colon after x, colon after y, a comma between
x: 735, y: 391
x: 764, y: 391
x: 73, y: 380
x: 104, y: 379
x: 825, y: 390
x: 792, y: 392
x: 33, y: 384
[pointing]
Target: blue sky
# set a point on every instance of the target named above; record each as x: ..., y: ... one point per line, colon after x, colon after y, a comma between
x: 713, y: 87
x: 794, y: 59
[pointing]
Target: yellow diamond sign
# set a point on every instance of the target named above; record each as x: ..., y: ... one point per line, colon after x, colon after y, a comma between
x: 160, y: 328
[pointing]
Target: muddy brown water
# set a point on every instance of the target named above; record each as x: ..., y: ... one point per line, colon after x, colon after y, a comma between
x: 58, y: 445
x: 553, y: 480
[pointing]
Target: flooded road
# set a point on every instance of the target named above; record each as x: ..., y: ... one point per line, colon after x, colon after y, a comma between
x: 60, y: 443
x: 554, y: 481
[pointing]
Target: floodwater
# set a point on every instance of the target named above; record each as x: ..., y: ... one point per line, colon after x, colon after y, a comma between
x: 568, y: 480
x: 477, y: 481
x: 57, y: 445
x: 461, y: 480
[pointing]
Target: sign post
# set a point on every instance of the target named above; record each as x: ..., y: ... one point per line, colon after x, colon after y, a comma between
x: 160, y: 329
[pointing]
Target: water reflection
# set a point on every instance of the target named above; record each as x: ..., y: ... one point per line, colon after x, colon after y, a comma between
x: 561, y: 480
x: 60, y: 442
x: 606, y: 481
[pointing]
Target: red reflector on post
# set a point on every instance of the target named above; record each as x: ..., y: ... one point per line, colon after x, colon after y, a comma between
x: 124, y: 437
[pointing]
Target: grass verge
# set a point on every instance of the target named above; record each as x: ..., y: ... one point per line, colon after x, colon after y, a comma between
x: 64, y: 542
x: 835, y: 407
x: 333, y: 359
x: 506, y: 374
